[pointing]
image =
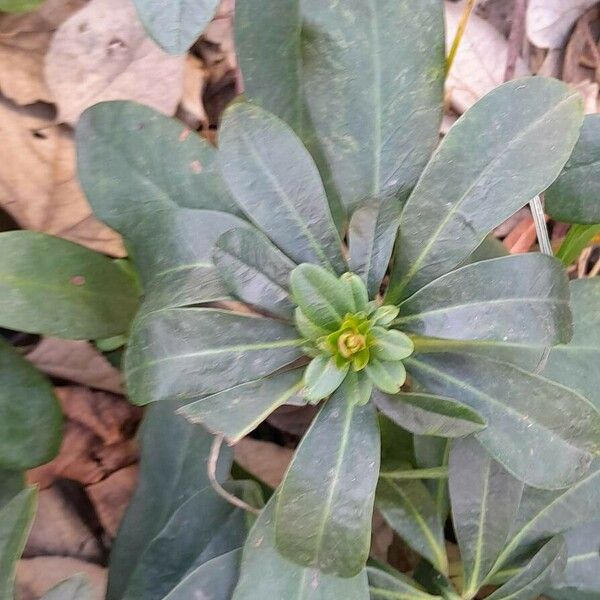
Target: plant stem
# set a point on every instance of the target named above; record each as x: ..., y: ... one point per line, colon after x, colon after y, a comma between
x: 462, y: 25
x: 213, y: 458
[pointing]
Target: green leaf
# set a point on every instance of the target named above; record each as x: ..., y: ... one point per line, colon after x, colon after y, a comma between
x: 17, y: 6
x: 576, y: 240
x: 16, y: 518
x: 390, y: 344
x: 385, y: 375
x: 30, y: 416
x: 325, y: 502
x: 265, y: 573
x: 237, y: 411
x: 173, y: 468
x: 434, y: 453
x: 132, y: 161
x: 543, y: 514
x: 11, y: 483
x: 177, y: 24
x: 255, y: 271
x: 194, y: 352
x: 489, y: 248
x: 274, y: 180
x: 321, y: 296
x: 322, y: 377
x: 435, y: 582
x: 214, y: 579
x: 74, y: 588
x: 485, y: 499
x: 371, y: 238
x: 54, y: 287
x: 386, y: 583
x: 574, y: 196
x: 201, y: 529
x: 356, y: 128
x: 543, y: 433
x: 306, y: 327
x: 396, y: 445
x: 570, y: 594
x: 357, y: 290
x: 575, y: 364
x: 410, y: 511
x: 519, y: 298
x: 502, y: 152
x: 172, y: 251
x: 534, y: 578
x: 425, y: 414
x: 582, y: 572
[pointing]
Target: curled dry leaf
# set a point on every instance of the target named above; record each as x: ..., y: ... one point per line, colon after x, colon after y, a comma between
x: 480, y: 62
x: 550, y: 21
x: 191, y: 110
x: 38, y: 187
x: 24, y: 40
x: 102, y: 53
x: 77, y: 361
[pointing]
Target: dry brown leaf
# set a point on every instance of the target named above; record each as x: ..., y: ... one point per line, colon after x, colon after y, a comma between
x: 265, y: 460
x: 76, y: 361
x: 83, y: 457
x: 110, y: 417
x: 38, y: 187
x: 480, y: 62
x: 102, y: 53
x: 111, y: 496
x: 550, y: 21
x: 589, y: 91
x: 35, y: 576
x: 58, y: 529
x: 24, y: 40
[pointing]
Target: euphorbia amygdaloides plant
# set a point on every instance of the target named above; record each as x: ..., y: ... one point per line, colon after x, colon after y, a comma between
x: 351, y: 244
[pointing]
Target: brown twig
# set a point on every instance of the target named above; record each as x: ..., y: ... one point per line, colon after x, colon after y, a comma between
x: 515, y: 39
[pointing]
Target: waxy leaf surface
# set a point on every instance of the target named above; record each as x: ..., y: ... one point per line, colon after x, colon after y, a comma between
x: 266, y: 573
x: 325, y: 502
x: 175, y: 25
x: 237, y: 411
x: 426, y: 414
x: 519, y: 298
x: 410, y: 511
x: 194, y: 352
x: 15, y: 521
x: 54, y: 287
x: 255, y: 271
x: 543, y: 433
x: 30, y: 416
x: 502, y: 152
x: 485, y: 499
x: 575, y: 196
x: 275, y: 181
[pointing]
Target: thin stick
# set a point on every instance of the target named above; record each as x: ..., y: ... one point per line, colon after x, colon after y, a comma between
x: 515, y: 39
x: 213, y: 458
x: 462, y: 25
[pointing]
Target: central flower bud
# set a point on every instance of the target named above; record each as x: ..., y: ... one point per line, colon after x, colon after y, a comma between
x: 348, y: 337
x: 350, y: 343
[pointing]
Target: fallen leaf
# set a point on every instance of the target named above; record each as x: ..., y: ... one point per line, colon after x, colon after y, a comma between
x: 550, y: 21
x: 38, y: 187
x: 265, y: 460
x: 589, y: 91
x: 83, y: 457
x: 111, y: 496
x: 35, y: 576
x: 76, y: 361
x: 59, y: 530
x: 102, y: 53
x: 480, y: 63
x: 110, y: 417
x: 24, y: 40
